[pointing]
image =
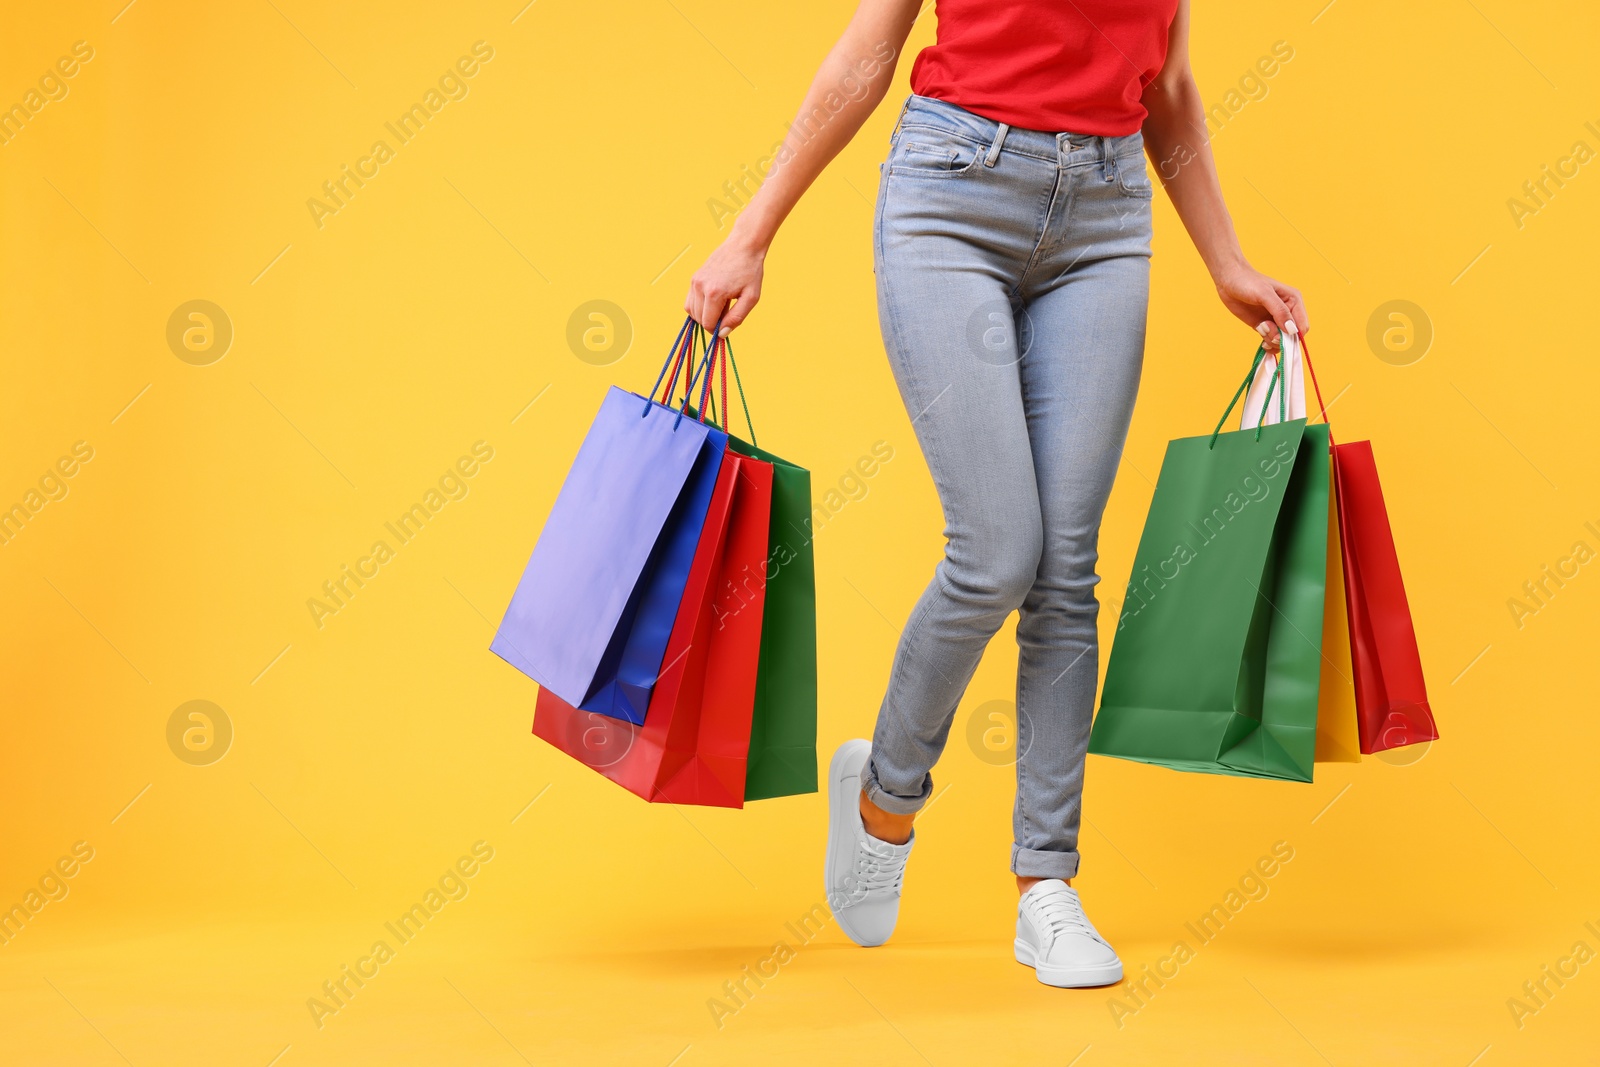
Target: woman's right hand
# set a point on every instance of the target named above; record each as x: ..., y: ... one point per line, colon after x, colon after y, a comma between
x: 731, y: 273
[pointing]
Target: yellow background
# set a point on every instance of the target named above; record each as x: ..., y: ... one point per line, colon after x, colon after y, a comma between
x: 426, y: 315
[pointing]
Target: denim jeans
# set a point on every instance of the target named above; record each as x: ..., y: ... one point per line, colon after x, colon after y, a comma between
x: 1013, y: 278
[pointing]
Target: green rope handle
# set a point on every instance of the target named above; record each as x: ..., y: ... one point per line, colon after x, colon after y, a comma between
x: 719, y: 418
x: 1266, y: 401
x: 1261, y: 352
x: 1278, y: 382
x: 1283, y: 387
x: 728, y: 343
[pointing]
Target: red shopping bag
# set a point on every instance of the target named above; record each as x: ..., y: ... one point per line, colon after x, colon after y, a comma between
x: 1391, y: 697
x: 727, y: 645
x: 693, y: 745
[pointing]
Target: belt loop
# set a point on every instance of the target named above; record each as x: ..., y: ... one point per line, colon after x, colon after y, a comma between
x: 1108, y: 160
x: 900, y: 119
x: 999, y: 142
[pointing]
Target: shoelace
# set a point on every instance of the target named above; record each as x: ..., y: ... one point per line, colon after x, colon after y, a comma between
x: 877, y: 872
x: 1062, y: 913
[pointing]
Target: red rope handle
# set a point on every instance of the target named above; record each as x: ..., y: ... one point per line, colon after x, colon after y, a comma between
x: 727, y: 413
x: 1305, y: 352
x: 710, y: 365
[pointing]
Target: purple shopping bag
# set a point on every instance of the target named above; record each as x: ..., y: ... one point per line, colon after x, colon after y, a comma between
x: 592, y: 614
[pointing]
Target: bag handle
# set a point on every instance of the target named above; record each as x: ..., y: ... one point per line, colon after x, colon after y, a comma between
x: 675, y: 357
x: 727, y: 360
x: 680, y: 358
x: 1305, y: 351
x: 1280, y: 380
x: 705, y: 366
x: 1292, y: 392
x: 685, y: 365
x: 1261, y: 352
x: 1277, y: 382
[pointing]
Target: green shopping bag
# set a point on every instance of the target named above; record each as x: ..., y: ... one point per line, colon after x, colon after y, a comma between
x: 1217, y: 657
x: 783, y: 728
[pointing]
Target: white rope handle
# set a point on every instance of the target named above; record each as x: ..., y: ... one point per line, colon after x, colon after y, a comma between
x: 1293, y: 380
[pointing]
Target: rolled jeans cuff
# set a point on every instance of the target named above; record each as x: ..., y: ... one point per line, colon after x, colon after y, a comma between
x: 887, y: 801
x: 1032, y: 863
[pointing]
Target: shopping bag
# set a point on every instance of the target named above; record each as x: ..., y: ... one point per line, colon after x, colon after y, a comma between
x: 725, y: 652
x: 591, y: 617
x: 639, y: 757
x: 1337, y: 737
x: 1216, y: 661
x: 783, y: 729
x: 692, y: 746
x: 1391, y: 698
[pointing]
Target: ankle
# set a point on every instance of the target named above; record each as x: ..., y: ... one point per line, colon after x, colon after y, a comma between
x: 1025, y: 883
x: 884, y: 825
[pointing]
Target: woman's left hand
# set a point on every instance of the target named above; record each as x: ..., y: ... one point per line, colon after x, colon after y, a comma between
x: 1265, y: 305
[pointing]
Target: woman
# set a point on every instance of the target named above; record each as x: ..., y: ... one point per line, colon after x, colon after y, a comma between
x: 1012, y: 257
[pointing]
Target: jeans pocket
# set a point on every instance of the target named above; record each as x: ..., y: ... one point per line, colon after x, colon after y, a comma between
x: 1133, y: 179
x: 928, y: 152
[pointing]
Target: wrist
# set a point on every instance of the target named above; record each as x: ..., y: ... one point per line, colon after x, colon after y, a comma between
x: 749, y: 236
x: 1231, y: 265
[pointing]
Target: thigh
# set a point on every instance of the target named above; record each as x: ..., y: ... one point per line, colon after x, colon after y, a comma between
x: 948, y: 326
x: 1079, y: 370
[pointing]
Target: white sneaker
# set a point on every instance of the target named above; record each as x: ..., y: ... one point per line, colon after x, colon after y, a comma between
x: 860, y: 873
x: 1059, y: 942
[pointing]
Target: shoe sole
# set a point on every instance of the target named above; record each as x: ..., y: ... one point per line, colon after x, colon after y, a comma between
x: 839, y: 796
x: 1069, y: 977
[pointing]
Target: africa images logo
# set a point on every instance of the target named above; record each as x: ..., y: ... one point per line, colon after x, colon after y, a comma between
x: 1143, y: 587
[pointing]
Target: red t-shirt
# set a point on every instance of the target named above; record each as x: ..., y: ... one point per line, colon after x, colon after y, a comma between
x: 1062, y: 66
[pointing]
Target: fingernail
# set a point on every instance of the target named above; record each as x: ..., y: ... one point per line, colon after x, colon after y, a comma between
x: 1261, y: 328
x: 1292, y: 328
x: 726, y: 330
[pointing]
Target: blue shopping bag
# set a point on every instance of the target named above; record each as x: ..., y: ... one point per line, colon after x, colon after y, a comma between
x: 591, y: 616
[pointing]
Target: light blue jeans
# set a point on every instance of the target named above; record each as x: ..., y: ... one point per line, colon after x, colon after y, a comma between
x: 1013, y: 278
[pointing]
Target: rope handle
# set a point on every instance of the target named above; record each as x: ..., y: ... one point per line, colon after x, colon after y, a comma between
x: 680, y: 357
x: 1305, y: 352
x: 723, y: 341
x: 1261, y: 351
x: 685, y: 365
x: 707, y: 368
x: 1278, y: 382
x: 675, y: 357
x: 726, y: 361
x: 715, y: 353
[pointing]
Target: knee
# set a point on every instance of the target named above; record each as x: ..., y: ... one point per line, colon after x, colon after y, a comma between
x: 1065, y: 587
x: 996, y: 569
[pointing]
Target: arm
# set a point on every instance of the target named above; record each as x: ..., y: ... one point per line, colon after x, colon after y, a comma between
x: 857, y: 71
x: 1175, y: 138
